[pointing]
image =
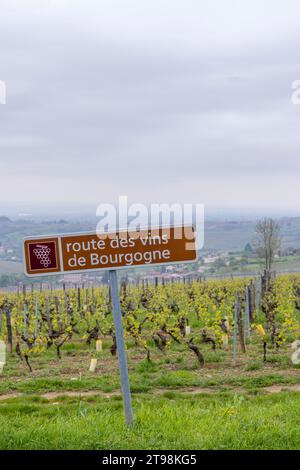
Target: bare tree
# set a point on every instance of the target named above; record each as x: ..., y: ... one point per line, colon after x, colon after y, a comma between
x: 267, y: 241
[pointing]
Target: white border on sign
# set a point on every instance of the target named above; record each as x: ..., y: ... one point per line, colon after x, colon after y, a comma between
x: 60, y: 236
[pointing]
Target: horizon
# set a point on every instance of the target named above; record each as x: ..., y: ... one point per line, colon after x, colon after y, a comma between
x: 88, y: 212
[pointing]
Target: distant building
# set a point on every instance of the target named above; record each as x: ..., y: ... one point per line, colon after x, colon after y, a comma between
x: 72, y: 279
x: 202, y: 269
x: 210, y: 259
x: 170, y: 268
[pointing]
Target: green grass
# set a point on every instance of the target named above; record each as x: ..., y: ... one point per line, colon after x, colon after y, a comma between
x: 168, y: 422
x: 255, y: 365
x: 177, y: 405
x: 266, y: 380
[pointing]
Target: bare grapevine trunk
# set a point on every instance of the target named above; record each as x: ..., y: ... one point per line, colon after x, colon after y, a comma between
x: 196, y: 351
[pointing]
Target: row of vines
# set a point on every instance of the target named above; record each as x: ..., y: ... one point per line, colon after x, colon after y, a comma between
x: 154, y: 317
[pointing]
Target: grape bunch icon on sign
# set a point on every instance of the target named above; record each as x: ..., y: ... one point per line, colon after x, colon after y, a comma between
x: 42, y: 253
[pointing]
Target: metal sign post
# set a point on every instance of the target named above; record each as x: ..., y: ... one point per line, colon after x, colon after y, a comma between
x: 235, y: 334
x: 87, y: 252
x: 113, y: 283
x: 36, y: 320
x: 247, y: 315
x: 258, y: 294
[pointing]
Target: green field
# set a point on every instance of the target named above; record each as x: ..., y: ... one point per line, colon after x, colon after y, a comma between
x: 188, y: 392
x: 61, y: 405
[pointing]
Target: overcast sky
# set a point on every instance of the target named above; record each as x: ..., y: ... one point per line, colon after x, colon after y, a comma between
x: 160, y: 100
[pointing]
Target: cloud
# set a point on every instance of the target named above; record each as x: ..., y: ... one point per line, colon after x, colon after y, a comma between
x: 160, y: 100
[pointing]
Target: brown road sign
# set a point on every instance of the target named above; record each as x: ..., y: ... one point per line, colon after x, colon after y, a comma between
x: 91, y: 252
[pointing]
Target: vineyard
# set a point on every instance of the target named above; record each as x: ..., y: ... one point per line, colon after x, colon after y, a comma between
x: 202, y: 345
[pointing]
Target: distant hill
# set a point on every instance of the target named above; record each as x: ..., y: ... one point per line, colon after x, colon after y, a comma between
x: 220, y: 235
x: 10, y: 267
x: 235, y: 235
x: 5, y: 220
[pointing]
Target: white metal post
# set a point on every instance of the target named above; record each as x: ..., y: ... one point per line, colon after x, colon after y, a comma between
x: 258, y: 294
x: 247, y: 315
x: 36, y: 322
x: 25, y: 319
x: 235, y: 334
x: 113, y: 282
